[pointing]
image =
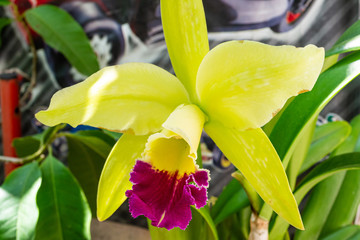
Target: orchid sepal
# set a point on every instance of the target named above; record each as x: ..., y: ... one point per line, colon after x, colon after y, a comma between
x: 186, y: 39
x: 253, y: 154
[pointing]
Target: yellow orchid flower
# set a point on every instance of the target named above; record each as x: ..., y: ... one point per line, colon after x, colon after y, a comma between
x: 230, y: 91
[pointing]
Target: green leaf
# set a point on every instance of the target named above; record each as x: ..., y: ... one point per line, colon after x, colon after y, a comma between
x: 324, y: 170
x: 198, y: 229
x: 345, y: 233
x: 115, y: 135
x: 3, y: 21
x: 300, y: 152
x: 86, y: 159
x: 326, y: 138
x: 319, y: 205
x: 346, y: 203
x: 47, y: 136
x: 62, y: 32
x: 349, y: 161
x: 232, y: 199
x: 237, y: 226
x: 4, y: 2
x: 304, y: 107
x: 348, y: 199
x: 64, y: 212
x: 104, y: 136
x: 205, y: 213
x: 349, y: 41
x: 255, y: 201
x: 18, y: 208
x: 26, y: 146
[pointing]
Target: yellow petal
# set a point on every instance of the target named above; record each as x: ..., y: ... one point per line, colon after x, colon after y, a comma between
x: 169, y: 153
x: 175, y: 148
x: 186, y: 38
x: 114, y: 179
x: 187, y: 121
x: 243, y: 84
x: 134, y: 97
x: 253, y: 154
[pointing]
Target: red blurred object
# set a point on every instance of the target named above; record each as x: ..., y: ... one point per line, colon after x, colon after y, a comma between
x: 291, y: 17
x: 10, y: 114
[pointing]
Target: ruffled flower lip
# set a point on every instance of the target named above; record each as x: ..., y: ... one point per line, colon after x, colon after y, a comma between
x: 165, y: 197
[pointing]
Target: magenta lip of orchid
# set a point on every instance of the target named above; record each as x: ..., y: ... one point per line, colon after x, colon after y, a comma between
x: 165, y: 197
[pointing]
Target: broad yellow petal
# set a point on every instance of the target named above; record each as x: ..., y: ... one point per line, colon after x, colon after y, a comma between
x: 243, y: 84
x: 134, y: 97
x: 114, y: 179
x: 253, y: 154
x: 186, y: 38
x: 175, y: 148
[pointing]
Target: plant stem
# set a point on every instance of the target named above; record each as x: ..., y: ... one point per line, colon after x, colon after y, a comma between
x: 39, y: 152
x: 258, y: 228
x: 32, y: 84
x: 11, y: 159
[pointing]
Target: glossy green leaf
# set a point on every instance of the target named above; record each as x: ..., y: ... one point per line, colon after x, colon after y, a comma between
x: 305, y: 106
x: 4, y: 2
x: 232, y: 199
x: 254, y: 198
x: 26, y: 146
x: 356, y: 236
x: 205, y: 213
x: 345, y: 233
x: 236, y: 226
x: 323, y: 196
x: 300, y: 152
x: 62, y: 32
x: 326, y: 138
x: 63, y: 210
x: 114, y: 179
x: 86, y: 158
x: 346, y: 204
x: 3, y: 21
x: 349, y: 161
x: 349, y: 41
x: 18, y: 208
x: 322, y: 171
x: 198, y: 229
x: 319, y: 205
x: 348, y: 199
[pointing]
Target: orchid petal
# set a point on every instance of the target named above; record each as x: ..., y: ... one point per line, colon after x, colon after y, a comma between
x: 165, y: 197
x: 114, y: 179
x: 253, y: 154
x: 134, y: 97
x: 186, y: 38
x: 243, y: 84
x: 175, y: 148
x: 187, y: 121
x: 169, y: 153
